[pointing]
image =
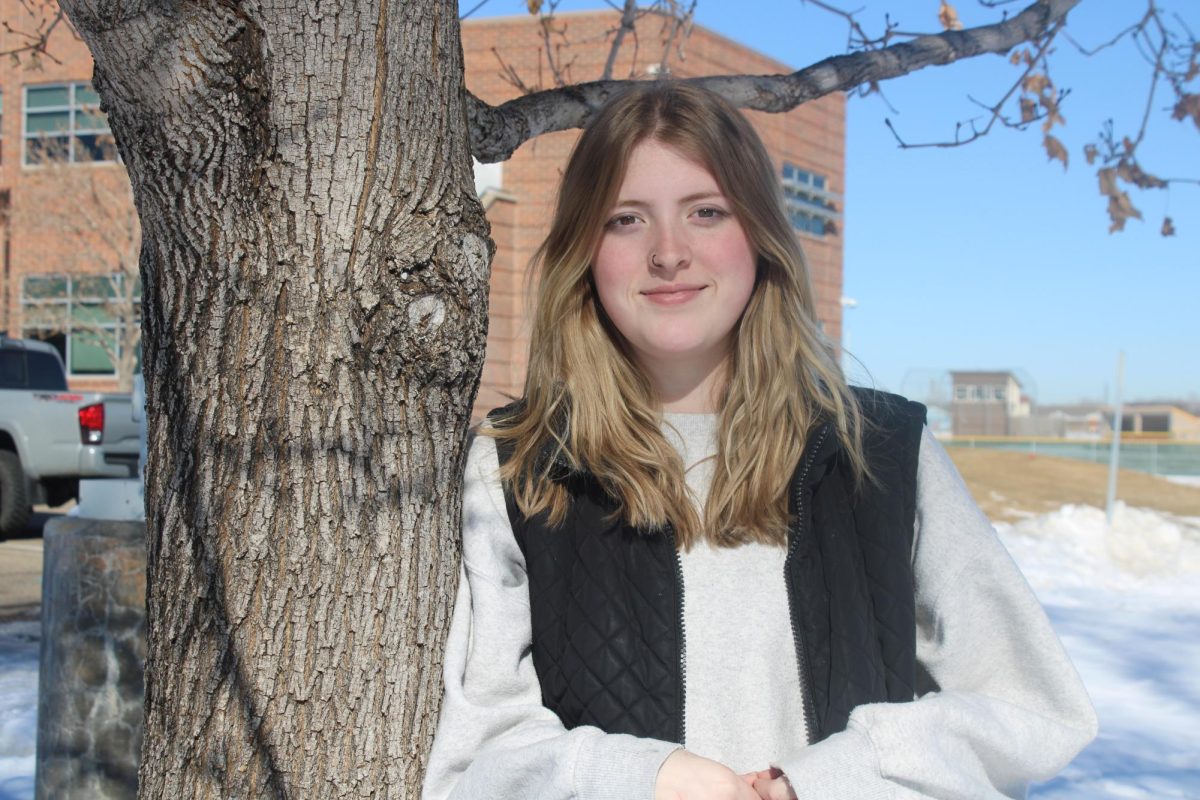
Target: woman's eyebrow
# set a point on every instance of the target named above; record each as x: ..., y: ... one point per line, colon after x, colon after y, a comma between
x: 691, y: 198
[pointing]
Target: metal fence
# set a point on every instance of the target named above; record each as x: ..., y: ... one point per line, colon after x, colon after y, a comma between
x: 1156, y: 457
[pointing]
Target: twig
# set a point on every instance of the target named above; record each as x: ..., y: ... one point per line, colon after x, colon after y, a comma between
x: 39, y: 41
x: 857, y: 37
x: 1158, y: 68
x: 628, y: 23
x: 997, y: 110
x: 509, y: 74
x: 546, y: 22
x: 475, y: 8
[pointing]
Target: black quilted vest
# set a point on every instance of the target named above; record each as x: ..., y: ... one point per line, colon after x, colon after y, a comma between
x: 607, y: 607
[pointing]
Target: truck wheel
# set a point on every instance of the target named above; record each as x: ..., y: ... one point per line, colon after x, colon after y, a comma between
x: 14, y: 495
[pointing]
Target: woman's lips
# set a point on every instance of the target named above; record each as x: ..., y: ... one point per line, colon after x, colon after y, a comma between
x: 673, y: 294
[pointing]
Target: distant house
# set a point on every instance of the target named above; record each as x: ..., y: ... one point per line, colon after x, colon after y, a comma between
x: 986, y: 403
x: 1156, y: 420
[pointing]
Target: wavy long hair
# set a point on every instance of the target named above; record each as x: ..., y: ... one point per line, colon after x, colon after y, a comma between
x: 588, y: 405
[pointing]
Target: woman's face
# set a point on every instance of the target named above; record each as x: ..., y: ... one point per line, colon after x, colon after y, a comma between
x: 674, y: 269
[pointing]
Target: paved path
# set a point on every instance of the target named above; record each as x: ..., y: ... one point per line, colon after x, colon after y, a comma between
x: 21, y: 572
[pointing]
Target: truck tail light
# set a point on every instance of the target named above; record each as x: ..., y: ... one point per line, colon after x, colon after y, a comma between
x: 91, y: 423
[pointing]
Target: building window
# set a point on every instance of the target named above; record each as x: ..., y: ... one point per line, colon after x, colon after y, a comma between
x: 1156, y: 423
x: 84, y: 316
x: 810, y: 205
x: 961, y: 392
x: 63, y: 122
x: 998, y: 393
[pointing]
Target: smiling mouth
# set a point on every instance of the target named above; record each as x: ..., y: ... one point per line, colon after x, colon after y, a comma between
x: 671, y: 295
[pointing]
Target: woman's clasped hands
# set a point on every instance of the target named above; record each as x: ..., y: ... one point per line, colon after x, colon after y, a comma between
x: 687, y: 776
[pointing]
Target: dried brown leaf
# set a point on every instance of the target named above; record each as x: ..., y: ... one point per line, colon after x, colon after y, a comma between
x: 1055, y: 150
x: 1108, y: 181
x: 1131, y: 172
x: 1015, y: 58
x: 1188, y: 106
x: 1053, y: 118
x: 1090, y: 152
x: 948, y: 17
x: 1120, y: 209
x: 1028, y: 110
x: 1036, y: 83
x: 534, y: 6
x: 1168, y: 227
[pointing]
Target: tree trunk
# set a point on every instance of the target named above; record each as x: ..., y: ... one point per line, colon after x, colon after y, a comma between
x: 314, y: 269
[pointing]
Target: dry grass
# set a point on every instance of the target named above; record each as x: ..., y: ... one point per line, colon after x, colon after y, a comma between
x: 1005, y: 484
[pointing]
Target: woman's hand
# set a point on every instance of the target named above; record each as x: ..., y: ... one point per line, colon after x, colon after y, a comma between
x: 770, y: 784
x: 687, y: 776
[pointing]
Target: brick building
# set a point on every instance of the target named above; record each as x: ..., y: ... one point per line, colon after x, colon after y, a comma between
x: 44, y: 271
x: 64, y: 204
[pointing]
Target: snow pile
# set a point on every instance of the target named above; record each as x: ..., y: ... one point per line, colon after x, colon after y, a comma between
x: 18, y: 707
x: 1126, y: 603
x: 1184, y: 480
x: 1073, y: 546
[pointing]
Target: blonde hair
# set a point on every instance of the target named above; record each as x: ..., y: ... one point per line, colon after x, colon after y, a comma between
x: 589, y: 407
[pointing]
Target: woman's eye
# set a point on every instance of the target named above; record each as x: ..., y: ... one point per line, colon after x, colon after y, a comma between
x: 710, y: 213
x: 622, y: 221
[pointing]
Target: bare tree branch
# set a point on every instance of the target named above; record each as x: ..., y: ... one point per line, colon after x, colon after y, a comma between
x: 497, y: 131
x: 1160, y: 55
x: 679, y: 23
x: 546, y: 22
x: 1091, y: 51
x: 628, y: 18
x: 46, y: 18
x: 474, y: 8
x: 995, y: 112
x: 857, y: 37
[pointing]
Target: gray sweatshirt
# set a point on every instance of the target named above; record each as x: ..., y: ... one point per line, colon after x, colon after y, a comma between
x: 1007, y: 708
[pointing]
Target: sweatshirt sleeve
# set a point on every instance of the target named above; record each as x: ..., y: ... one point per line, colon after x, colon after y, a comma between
x: 1006, y: 707
x: 495, y: 738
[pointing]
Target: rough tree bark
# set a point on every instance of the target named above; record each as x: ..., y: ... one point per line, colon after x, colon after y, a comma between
x: 315, y: 270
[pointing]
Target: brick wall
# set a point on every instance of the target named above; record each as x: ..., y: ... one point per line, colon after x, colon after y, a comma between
x: 35, y: 242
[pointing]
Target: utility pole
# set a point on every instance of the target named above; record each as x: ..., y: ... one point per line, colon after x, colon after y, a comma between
x: 1115, y: 455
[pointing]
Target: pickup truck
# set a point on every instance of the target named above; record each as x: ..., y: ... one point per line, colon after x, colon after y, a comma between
x: 50, y: 436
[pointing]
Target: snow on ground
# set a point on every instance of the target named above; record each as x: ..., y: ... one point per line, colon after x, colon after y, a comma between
x: 18, y: 708
x: 1126, y: 604
x: 1184, y: 480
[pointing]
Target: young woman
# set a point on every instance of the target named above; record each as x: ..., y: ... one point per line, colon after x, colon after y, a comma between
x: 697, y: 565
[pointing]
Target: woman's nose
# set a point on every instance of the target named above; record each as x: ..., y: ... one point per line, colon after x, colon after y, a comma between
x: 670, y: 250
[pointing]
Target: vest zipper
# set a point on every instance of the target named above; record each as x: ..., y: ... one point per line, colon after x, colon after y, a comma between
x: 682, y: 636
x: 802, y: 666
